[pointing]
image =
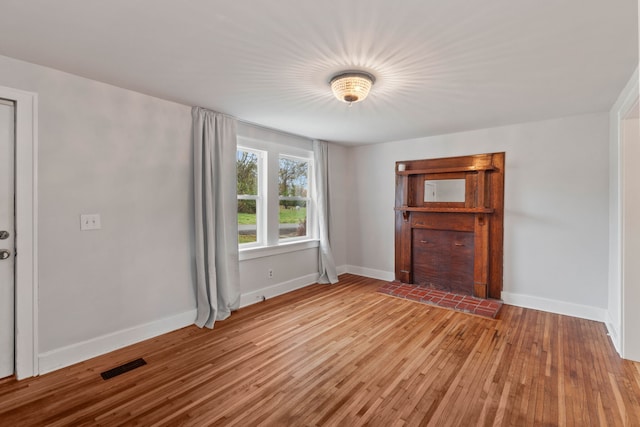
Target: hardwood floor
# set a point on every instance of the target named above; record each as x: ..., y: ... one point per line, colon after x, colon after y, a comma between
x: 346, y: 355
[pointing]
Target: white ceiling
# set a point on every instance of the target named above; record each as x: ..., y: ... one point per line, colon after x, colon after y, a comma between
x: 441, y: 65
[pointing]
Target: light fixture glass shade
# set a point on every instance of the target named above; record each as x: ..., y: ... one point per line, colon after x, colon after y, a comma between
x: 352, y: 86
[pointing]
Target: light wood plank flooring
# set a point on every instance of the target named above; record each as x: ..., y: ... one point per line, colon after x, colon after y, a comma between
x: 346, y: 355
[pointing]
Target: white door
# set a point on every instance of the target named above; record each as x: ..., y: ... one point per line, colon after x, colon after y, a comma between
x: 7, y: 237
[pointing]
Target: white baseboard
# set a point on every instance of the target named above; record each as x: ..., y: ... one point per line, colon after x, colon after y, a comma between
x: 614, y: 333
x: 370, y: 272
x: 526, y: 301
x: 254, y: 297
x: 75, y: 353
x: 341, y: 269
x: 554, y: 306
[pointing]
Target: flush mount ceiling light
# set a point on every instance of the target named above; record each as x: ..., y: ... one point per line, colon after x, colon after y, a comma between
x: 352, y: 86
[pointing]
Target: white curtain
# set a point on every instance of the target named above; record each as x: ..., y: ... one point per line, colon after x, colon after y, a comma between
x: 327, y: 266
x: 216, y: 224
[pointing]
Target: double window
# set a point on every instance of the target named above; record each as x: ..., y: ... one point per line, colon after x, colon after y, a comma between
x: 274, y: 196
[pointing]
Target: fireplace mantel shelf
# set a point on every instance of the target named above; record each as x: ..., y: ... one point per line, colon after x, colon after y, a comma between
x: 472, y: 168
x: 445, y: 210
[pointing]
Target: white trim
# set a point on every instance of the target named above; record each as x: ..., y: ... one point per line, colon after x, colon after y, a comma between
x: 629, y: 96
x: 271, y: 149
x: 370, y: 272
x: 282, y: 248
x: 614, y: 333
x: 79, y: 352
x: 276, y: 145
x: 525, y: 301
x: 627, y: 99
x: 555, y: 306
x: 341, y: 269
x: 261, y: 215
x: 278, y: 289
x: 26, y: 328
x: 628, y: 156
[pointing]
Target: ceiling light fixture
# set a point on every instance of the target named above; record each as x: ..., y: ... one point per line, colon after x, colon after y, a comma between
x: 352, y: 86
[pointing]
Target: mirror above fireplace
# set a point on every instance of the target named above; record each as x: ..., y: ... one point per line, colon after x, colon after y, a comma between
x: 444, y: 190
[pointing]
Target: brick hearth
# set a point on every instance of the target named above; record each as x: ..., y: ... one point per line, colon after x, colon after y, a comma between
x: 464, y: 303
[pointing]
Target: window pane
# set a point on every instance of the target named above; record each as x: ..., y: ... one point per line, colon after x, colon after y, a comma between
x: 293, y: 218
x: 247, y: 167
x: 292, y: 178
x: 247, y: 224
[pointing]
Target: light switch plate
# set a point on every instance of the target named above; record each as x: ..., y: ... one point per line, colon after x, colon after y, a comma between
x: 90, y: 222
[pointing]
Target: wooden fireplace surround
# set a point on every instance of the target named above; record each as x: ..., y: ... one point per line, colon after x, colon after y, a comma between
x: 454, y: 246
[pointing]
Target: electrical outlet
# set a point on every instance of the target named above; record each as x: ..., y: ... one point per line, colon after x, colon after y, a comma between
x: 90, y: 222
x: 270, y: 273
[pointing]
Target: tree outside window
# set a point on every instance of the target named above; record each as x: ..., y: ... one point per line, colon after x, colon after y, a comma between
x: 248, y: 190
x: 293, y: 184
x: 267, y: 218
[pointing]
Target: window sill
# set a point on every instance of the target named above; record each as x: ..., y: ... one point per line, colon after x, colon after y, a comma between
x: 283, y: 248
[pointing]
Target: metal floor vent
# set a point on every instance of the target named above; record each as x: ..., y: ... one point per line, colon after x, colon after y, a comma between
x: 123, y: 368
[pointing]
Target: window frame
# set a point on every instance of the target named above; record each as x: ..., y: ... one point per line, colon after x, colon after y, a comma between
x: 259, y: 198
x: 308, y: 200
x: 270, y: 242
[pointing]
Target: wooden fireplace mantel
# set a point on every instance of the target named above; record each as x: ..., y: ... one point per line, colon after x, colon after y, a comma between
x: 452, y: 245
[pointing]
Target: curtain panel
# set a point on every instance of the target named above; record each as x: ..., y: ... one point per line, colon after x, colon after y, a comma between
x: 216, y: 225
x: 326, y: 264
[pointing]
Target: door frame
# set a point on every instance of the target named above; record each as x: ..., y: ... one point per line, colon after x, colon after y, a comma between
x: 26, y: 206
x: 629, y: 343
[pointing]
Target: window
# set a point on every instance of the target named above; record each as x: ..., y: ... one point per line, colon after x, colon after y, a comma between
x: 293, y: 187
x: 248, y: 166
x: 274, y: 196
